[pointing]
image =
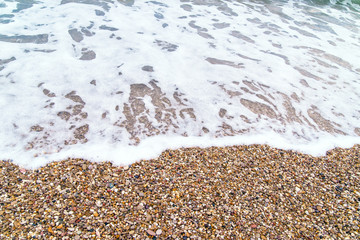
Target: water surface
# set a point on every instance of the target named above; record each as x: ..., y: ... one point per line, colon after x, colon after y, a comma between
x: 124, y: 80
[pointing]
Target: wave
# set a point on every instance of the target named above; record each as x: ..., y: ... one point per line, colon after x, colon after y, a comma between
x: 349, y: 4
x: 124, y: 80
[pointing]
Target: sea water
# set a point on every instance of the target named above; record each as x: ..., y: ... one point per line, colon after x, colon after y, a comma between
x: 123, y: 80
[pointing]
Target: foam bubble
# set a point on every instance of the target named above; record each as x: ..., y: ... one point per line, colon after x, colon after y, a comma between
x: 125, y: 80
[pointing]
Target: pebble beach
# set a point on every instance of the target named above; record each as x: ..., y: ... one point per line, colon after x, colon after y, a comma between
x: 143, y: 120
x: 237, y: 192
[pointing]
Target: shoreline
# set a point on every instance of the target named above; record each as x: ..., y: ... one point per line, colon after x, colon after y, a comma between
x: 235, y: 192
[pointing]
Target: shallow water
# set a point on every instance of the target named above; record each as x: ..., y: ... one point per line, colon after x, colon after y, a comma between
x: 124, y: 80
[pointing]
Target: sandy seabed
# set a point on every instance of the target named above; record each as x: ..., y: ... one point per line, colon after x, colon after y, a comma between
x: 237, y: 192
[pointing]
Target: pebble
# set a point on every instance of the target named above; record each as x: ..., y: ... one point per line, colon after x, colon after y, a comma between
x: 140, y: 206
x: 319, y: 208
x: 148, y: 218
x: 235, y: 192
x: 150, y: 232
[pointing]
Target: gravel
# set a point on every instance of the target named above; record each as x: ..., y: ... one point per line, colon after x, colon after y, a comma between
x: 237, y: 192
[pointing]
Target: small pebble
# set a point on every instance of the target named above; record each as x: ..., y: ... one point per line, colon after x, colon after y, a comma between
x: 150, y: 232
x: 319, y: 208
x: 148, y: 218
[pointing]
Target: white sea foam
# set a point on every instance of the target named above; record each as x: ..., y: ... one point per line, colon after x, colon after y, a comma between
x: 123, y: 81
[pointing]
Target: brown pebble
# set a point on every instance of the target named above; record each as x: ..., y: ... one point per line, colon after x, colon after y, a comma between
x: 148, y: 218
x: 319, y: 208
